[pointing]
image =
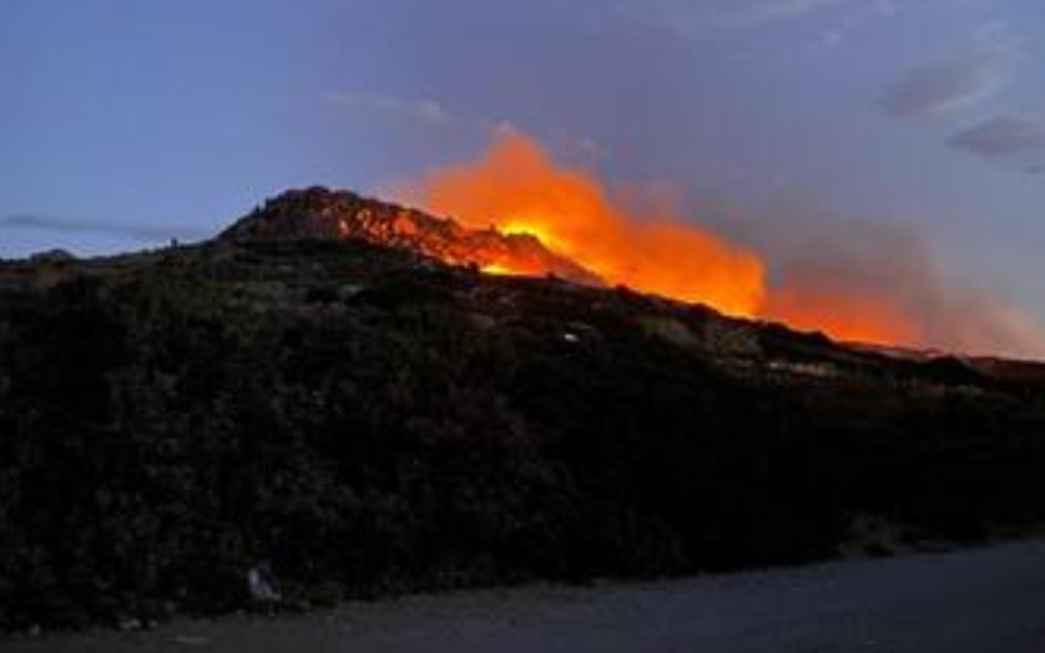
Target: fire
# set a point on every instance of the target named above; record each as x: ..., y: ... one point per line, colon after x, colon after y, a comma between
x: 496, y: 269
x: 851, y: 317
x: 517, y: 189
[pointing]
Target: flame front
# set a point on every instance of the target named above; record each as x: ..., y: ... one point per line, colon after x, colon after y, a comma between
x: 853, y: 316
x: 517, y: 189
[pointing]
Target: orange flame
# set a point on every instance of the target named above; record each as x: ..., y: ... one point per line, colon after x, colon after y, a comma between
x: 851, y: 317
x: 517, y: 188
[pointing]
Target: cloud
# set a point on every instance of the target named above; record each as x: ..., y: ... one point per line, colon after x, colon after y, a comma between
x: 693, y: 18
x: 423, y: 111
x: 939, y: 87
x: 1018, y: 139
x: 767, y: 10
x: 831, y: 39
x: 139, y: 232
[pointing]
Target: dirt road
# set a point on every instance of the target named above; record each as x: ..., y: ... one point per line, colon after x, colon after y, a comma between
x: 989, y: 601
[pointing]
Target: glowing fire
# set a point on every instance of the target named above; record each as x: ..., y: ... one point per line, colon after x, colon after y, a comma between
x: 495, y: 268
x: 518, y: 189
x: 852, y: 317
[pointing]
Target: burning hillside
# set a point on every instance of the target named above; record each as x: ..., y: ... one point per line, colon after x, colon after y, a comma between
x: 317, y: 213
x: 651, y: 246
x: 516, y: 211
x: 518, y: 189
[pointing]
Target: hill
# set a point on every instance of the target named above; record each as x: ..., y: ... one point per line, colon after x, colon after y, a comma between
x: 301, y: 407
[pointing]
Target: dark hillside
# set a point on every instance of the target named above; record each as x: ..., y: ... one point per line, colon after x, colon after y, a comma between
x: 363, y: 420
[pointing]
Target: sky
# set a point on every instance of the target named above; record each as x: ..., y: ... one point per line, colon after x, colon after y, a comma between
x: 794, y: 126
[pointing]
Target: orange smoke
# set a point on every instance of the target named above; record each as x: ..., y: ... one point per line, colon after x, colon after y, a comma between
x: 851, y: 316
x: 516, y: 188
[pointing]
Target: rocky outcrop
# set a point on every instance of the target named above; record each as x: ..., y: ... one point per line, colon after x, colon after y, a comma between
x: 320, y: 213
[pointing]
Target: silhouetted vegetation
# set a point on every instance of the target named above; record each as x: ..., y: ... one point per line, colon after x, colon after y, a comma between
x: 366, y: 422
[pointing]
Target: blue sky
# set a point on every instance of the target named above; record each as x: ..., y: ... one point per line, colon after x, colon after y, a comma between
x: 777, y: 120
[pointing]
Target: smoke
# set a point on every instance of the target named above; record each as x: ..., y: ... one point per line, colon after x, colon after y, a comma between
x: 856, y: 281
x: 886, y: 278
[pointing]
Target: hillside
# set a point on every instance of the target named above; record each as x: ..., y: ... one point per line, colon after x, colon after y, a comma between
x: 305, y: 397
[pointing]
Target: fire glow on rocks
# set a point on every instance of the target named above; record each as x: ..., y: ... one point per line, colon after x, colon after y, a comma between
x: 517, y: 188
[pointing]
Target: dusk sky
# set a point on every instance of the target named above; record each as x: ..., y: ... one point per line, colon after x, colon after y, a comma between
x: 910, y: 128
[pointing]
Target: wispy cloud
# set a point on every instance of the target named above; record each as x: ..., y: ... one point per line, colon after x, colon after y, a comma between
x: 1012, y: 139
x: 57, y: 224
x: 424, y: 111
x: 757, y: 11
x: 695, y: 18
x: 936, y: 88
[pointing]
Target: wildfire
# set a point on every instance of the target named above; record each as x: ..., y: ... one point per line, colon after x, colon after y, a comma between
x: 494, y: 268
x: 517, y: 189
x: 852, y: 317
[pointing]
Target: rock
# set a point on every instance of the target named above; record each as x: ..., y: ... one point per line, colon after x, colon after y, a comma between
x: 261, y: 585
x: 321, y: 214
x: 52, y: 256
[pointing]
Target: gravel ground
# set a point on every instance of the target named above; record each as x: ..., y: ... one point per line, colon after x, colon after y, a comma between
x: 990, y: 600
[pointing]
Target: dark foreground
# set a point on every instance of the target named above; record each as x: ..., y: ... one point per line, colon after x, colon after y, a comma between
x: 991, y: 600
x: 363, y: 422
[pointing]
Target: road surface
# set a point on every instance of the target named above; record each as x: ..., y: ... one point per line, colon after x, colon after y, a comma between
x: 987, y: 601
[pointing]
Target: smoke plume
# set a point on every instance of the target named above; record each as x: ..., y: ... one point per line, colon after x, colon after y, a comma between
x: 864, y: 283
